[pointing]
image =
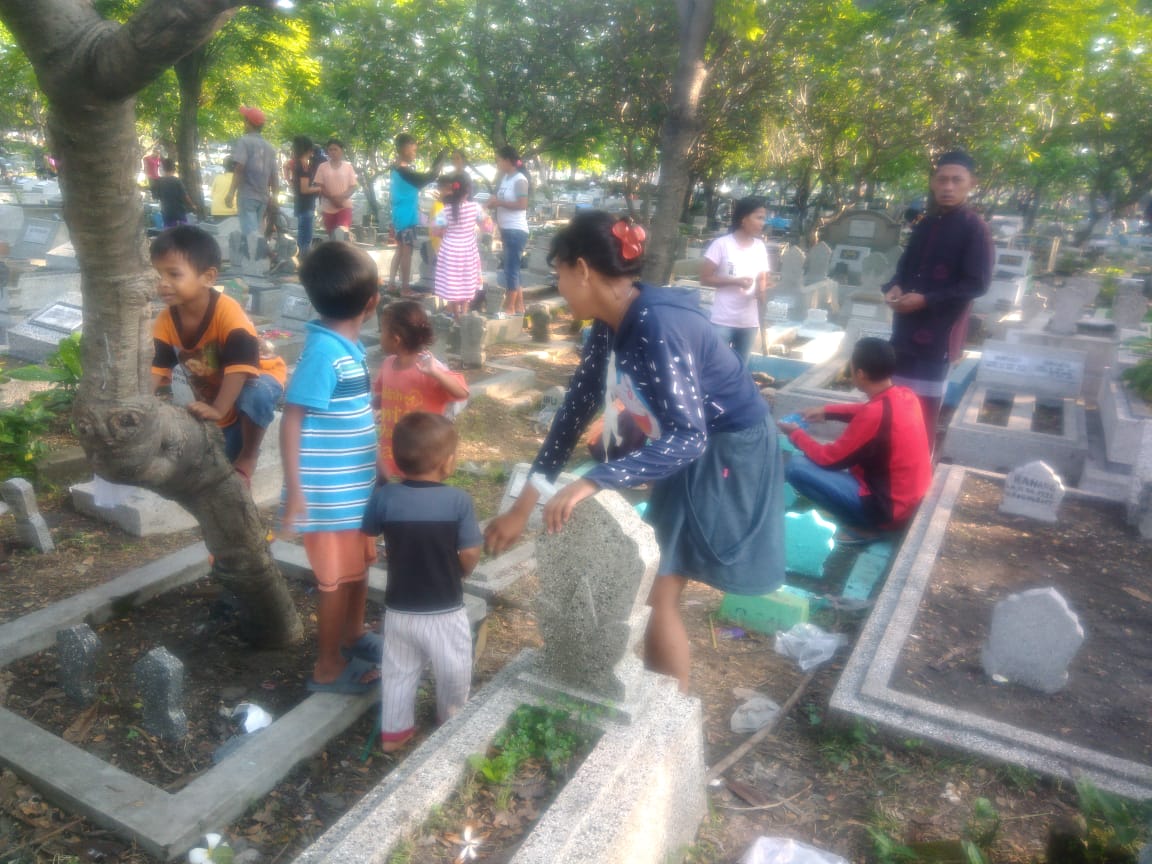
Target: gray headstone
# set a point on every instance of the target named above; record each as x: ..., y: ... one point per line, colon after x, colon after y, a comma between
x: 791, y: 270
x: 160, y: 680
x: 819, y: 257
x: 874, y: 272
x: 553, y: 397
x: 295, y: 306
x: 77, y: 650
x: 1140, y: 496
x: 595, y: 576
x: 31, y: 529
x: 539, y: 321
x: 1033, y: 638
x: 1033, y: 490
x: 473, y: 336
x: 442, y: 327
x: 1129, y: 309
x: 1037, y: 369
x: 494, y: 298
x: 1067, y: 308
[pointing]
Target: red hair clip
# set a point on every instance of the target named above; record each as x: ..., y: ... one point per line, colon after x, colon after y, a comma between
x: 631, y: 237
x: 456, y: 186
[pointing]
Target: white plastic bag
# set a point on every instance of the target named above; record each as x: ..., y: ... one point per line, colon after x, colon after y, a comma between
x: 756, y: 713
x: 808, y: 645
x: 784, y: 850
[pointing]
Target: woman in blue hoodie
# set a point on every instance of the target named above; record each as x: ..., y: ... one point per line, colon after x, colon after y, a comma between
x: 711, y: 451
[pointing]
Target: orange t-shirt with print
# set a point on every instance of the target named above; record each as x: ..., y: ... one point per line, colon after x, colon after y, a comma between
x: 224, y: 342
x: 402, y: 391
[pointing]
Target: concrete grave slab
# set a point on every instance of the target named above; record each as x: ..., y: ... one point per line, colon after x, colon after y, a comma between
x: 866, y: 686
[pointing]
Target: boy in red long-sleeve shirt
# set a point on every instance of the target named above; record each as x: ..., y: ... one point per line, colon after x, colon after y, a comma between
x: 873, y: 477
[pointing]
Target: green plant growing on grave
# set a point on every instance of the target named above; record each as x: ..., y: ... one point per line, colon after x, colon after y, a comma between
x: 983, y: 826
x: 1115, y: 827
x: 22, y: 428
x: 62, y: 369
x: 849, y: 745
x: 1139, y: 379
x: 1108, y: 285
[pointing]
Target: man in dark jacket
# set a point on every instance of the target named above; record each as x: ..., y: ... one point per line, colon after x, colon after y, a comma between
x: 946, y: 265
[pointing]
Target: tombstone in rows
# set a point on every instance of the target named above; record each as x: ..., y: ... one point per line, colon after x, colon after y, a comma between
x: 595, y: 576
x: 443, y: 327
x: 77, y: 650
x: 1067, y: 308
x: 1129, y: 309
x: 38, y: 336
x: 817, y: 285
x: 160, y: 680
x: 473, y: 335
x: 1033, y: 490
x: 791, y: 272
x: 1140, y: 495
x: 31, y: 529
x: 540, y: 322
x: 550, y: 403
x: 494, y: 299
x: 874, y: 272
x: 1033, y: 638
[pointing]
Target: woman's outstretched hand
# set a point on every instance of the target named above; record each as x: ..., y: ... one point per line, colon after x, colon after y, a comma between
x: 559, y: 509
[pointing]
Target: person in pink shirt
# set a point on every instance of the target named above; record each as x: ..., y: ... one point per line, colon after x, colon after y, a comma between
x: 410, y: 379
x: 336, y: 180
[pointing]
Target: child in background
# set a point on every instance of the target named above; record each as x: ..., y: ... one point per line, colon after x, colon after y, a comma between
x: 436, y: 219
x: 433, y: 542
x: 328, y: 444
x: 458, y: 275
x: 175, y: 205
x: 207, y: 335
x: 411, y: 379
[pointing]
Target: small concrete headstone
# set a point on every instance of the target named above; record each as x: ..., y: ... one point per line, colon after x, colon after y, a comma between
x: 1128, y: 310
x: 791, y: 270
x: 874, y: 272
x: 1140, y: 496
x: 473, y: 335
x: 595, y: 576
x: 1033, y: 638
x: 494, y: 299
x: 160, y: 680
x: 31, y: 529
x: 1033, y: 490
x: 1067, y: 308
x: 553, y: 397
x: 819, y: 258
x: 539, y: 321
x: 77, y: 649
x: 442, y: 332
x: 808, y: 541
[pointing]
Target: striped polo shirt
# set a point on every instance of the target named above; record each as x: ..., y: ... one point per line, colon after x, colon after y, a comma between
x: 338, y: 435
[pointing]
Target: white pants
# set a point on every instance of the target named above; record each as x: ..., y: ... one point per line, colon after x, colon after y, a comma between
x: 411, y: 642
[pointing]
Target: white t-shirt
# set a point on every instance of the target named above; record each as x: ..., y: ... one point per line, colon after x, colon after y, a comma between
x: 512, y: 187
x: 732, y: 306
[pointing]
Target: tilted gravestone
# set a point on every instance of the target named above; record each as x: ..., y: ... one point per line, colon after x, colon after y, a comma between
x: 31, y: 529
x: 1033, y: 638
x: 595, y: 576
x: 160, y: 680
x: 1033, y: 490
x: 77, y: 649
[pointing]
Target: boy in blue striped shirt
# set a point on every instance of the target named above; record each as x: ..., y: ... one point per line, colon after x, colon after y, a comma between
x: 328, y: 446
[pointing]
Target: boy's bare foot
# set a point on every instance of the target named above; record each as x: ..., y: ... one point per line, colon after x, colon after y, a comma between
x: 245, y: 467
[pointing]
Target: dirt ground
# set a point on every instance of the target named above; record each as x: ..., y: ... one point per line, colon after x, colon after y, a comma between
x: 837, y: 783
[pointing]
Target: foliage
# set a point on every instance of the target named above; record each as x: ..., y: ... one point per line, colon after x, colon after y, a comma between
x: 1139, y: 379
x: 23, y: 426
x: 532, y: 733
x: 1116, y: 826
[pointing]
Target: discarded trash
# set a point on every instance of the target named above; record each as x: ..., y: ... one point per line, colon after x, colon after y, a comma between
x: 731, y: 633
x: 808, y: 645
x: 756, y: 713
x: 255, y: 717
x: 784, y: 850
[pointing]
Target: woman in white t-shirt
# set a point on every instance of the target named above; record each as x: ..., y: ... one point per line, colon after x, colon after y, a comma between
x: 736, y: 265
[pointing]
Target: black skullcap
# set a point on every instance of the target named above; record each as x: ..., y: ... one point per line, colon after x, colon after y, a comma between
x: 957, y: 157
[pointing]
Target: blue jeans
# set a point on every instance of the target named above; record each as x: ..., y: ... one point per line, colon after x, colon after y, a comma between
x: 251, y: 212
x: 257, y: 401
x: 739, y: 339
x: 838, y: 492
x: 514, y: 243
x: 305, y: 226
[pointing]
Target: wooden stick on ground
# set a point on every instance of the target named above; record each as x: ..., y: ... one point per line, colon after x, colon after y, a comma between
x: 762, y: 733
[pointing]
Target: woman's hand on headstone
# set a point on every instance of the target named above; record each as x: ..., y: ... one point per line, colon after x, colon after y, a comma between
x: 559, y: 509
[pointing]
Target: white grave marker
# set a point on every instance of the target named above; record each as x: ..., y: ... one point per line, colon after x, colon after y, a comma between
x: 1033, y: 490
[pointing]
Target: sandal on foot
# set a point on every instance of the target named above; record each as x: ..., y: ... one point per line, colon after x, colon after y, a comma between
x: 349, y: 683
x: 369, y: 647
x: 390, y: 742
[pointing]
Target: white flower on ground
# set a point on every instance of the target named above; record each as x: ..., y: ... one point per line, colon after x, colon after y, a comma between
x: 217, y: 851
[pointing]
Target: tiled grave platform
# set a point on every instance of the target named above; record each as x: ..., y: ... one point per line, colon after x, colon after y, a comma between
x: 866, y: 686
x: 167, y: 824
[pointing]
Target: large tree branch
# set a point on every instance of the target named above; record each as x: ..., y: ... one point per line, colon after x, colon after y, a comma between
x: 81, y: 57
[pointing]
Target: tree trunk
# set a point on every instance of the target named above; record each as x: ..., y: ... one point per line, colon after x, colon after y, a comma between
x: 190, y: 77
x: 90, y: 69
x: 680, y: 132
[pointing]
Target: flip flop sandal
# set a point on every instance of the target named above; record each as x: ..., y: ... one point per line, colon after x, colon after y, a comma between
x: 369, y: 647
x: 349, y: 682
